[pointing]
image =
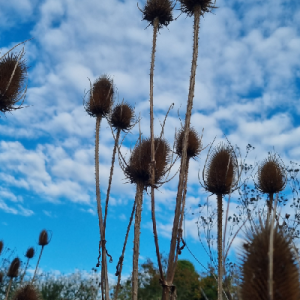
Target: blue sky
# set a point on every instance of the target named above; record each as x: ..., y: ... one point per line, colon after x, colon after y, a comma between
x: 247, y: 86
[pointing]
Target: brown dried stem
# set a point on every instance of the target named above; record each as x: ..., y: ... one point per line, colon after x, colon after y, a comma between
x: 220, y: 256
x: 37, y: 264
x: 171, y: 262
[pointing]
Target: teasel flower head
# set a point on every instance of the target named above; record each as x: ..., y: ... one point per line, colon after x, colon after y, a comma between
x: 255, y: 266
x: 13, y: 74
x: 271, y: 175
x: 188, y: 6
x: 101, y: 97
x: 14, y: 268
x: 1, y: 246
x: 27, y: 292
x: 122, y: 117
x: 194, y: 143
x: 44, y: 238
x: 138, y: 168
x: 221, y: 175
x: 160, y: 9
x: 30, y: 253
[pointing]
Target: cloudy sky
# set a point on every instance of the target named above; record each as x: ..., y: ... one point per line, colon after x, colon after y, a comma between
x: 247, y: 87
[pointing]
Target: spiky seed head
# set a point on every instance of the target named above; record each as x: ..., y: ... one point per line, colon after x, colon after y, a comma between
x: 14, y: 268
x: 255, y: 266
x: 13, y: 73
x: 194, y: 143
x: 221, y: 171
x: 27, y: 292
x: 138, y: 169
x: 160, y: 9
x: 122, y: 116
x: 189, y: 6
x: 44, y: 238
x: 1, y: 246
x: 271, y: 175
x: 30, y: 253
x: 101, y: 97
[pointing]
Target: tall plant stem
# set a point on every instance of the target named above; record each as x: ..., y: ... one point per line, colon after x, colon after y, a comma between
x: 123, y: 252
x: 37, y: 264
x: 270, y: 206
x: 8, y: 288
x: 24, y: 271
x: 104, y: 278
x: 136, y: 242
x: 220, y: 255
x: 155, y: 29
x: 171, y: 262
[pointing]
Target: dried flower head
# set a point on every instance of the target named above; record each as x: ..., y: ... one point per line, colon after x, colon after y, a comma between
x: 138, y: 169
x: 194, y: 143
x: 222, y: 169
x: 160, y: 9
x: 1, y: 246
x: 27, y: 292
x: 101, y: 97
x: 122, y: 116
x: 255, y: 266
x: 30, y: 253
x: 44, y: 238
x: 271, y: 175
x: 14, y: 268
x: 13, y: 73
x: 188, y: 6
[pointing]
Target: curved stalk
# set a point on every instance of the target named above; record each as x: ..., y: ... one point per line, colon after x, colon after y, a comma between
x: 136, y: 242
x: 171, y: 262
x: 37, y: 264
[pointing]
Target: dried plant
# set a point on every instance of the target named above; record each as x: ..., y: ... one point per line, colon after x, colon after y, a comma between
x: 29, y: 254
x: 27, y: 292
x: 255, y: 265
x: 12, y: 273
x: 99, y: 105
x: 190, y: 6
x: 220, y: 177
x: 13, y: 74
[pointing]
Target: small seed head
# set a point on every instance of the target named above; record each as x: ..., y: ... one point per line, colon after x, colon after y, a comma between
x: 14, y: 268
x: 189, y: 6
x: 271, y: 175
x: 194, y: 143
x: 138, y: 170
x: 101, y: 97
x: 13, y: 73
x: 43, y: 238
x: 30, y: 253
x: 221, y: 171
x: 122, y: 116
x: 27, y: 292
x: 160, y: 9
x: 255, y: 266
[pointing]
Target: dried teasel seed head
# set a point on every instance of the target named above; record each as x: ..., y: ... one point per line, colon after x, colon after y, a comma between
x: 30, y: 253
x: 271, y: 175
x: 221, y: 171
x: 122, y: 116
x: 255, y: 266
x: 101, y: 97
x: 1, y: 246
x: 14, y: 268
x: 160, y: 9
x: 194, y: 143
x: 138, y: 169
x: 44, y: 238
x: 189, y: 6
x: 13, y: 74
x: 27, y: 292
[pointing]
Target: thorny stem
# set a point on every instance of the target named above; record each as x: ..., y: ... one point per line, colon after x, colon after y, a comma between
x: 155, y: 28
x: 136, y: 242
x: 123, y: 251
x: 171, y: 262
x: 24, y: 271
x: 8, y: 288
x: 37, y: 264
x: 104, y: 279
x: 220, y: 259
